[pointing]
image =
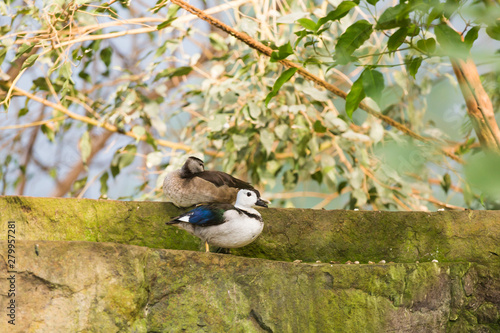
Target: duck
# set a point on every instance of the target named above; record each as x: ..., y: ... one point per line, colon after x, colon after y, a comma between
x: 192, y: 185
x: 225, y: 225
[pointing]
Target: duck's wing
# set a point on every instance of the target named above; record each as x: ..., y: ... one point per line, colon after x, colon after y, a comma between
x: 204, y: 215
x: 219, y: 178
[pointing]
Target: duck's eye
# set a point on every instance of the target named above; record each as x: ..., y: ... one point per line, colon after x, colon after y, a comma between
x: 249, y: 194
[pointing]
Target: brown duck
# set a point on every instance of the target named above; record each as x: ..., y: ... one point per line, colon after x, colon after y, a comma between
x: 192, y: 185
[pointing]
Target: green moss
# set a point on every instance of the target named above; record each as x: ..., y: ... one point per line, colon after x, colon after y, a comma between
x: 288, y: 234
x: 120, y: 288
x: 488, y: 313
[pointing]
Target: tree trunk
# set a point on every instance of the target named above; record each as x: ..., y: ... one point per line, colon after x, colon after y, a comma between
x: 478, y: 103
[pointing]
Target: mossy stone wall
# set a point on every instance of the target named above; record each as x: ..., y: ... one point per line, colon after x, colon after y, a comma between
x: 289, y: 234
x: 112, y: 266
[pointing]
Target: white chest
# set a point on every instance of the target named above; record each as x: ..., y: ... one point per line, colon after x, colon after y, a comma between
x: 238, y: 231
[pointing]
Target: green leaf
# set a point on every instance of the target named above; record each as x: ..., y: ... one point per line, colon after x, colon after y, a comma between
x: 65, y: 70
x: 161, y: 50
x: 301, y: 34
x: 317, y: 176
x: 352, y: 39
x: 217, y: 122
x: 372, y: 2
x: 217, y: 42
x: 128, y: 156
x: 240, y: 141
x: 65, y: 89
x: 104, y: 183
x: 342, y: 10
x: 105, y: 55
x: 354, y: 97
x: 283, y: 52
x: 471, y: 36
x: 22, y: 112
x: 172, y: 10
x: 373, y: 84
x: 427, y: 45
x: 254, y: 110
x: 139, y: 131
x: 85, y: 146
x: 171, y: 72
x: 41, y: 83
x: 464, y: 148
x: 394, y: 17
x: 413, y: 30
x: 49, y: 133
x: 316, y: 94
x: 85, y: 76
x: 25, y: 48
x: 30, y: 61
x: 436, y: 12
x: 79, y: 184
x: 446, y: 182
x: 282, y: 131
x: 150, y: 140
x: 290, y: 179
x: 3, y: 52
x: 318, y: 127
x: 123, y: 158
x: 494, y: 31
x: 341, y: 186
x: 267, y: 140
x: 166, y: 23
x: 450, y: 41
x: 413, y: 65
x: 397, y: 39
x: 283, y: 78
x: 229, y: 98
x: 53, y: 173
x: 308, y: 24
x: 450, y: 7
x: 159, y: 5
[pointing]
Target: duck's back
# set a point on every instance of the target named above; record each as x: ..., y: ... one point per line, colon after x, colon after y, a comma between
x: 210, y: 187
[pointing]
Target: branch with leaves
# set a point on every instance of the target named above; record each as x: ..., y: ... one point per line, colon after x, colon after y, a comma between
x: 293, y: 68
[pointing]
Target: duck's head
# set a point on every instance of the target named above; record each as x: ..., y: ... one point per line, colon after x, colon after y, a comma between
x: 249, y: 198
x: 192, y: 166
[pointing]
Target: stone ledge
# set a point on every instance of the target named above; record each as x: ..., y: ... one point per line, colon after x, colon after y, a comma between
x: 109, y: 287
x: 289, y: 234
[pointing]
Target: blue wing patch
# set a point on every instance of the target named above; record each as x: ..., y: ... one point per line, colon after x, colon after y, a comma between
x: 204, y: 215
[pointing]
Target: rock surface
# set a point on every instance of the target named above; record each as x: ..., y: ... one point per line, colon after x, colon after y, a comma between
x: 79, y: 268
x: 107, y: 287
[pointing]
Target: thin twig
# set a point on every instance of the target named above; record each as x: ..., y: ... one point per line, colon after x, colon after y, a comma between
x: 438, y: 203
x: 33, y: 124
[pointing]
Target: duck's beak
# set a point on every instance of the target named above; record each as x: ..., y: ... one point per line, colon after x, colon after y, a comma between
x: 261, y: 202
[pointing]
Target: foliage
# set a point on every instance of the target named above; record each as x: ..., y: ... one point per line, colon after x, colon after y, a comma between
x: 143, y: 87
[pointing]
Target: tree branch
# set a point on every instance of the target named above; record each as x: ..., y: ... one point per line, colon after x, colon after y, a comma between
x: 478, y: 103
x: 33, y: 124
x: 289, y: 64
x: 103, y: 124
